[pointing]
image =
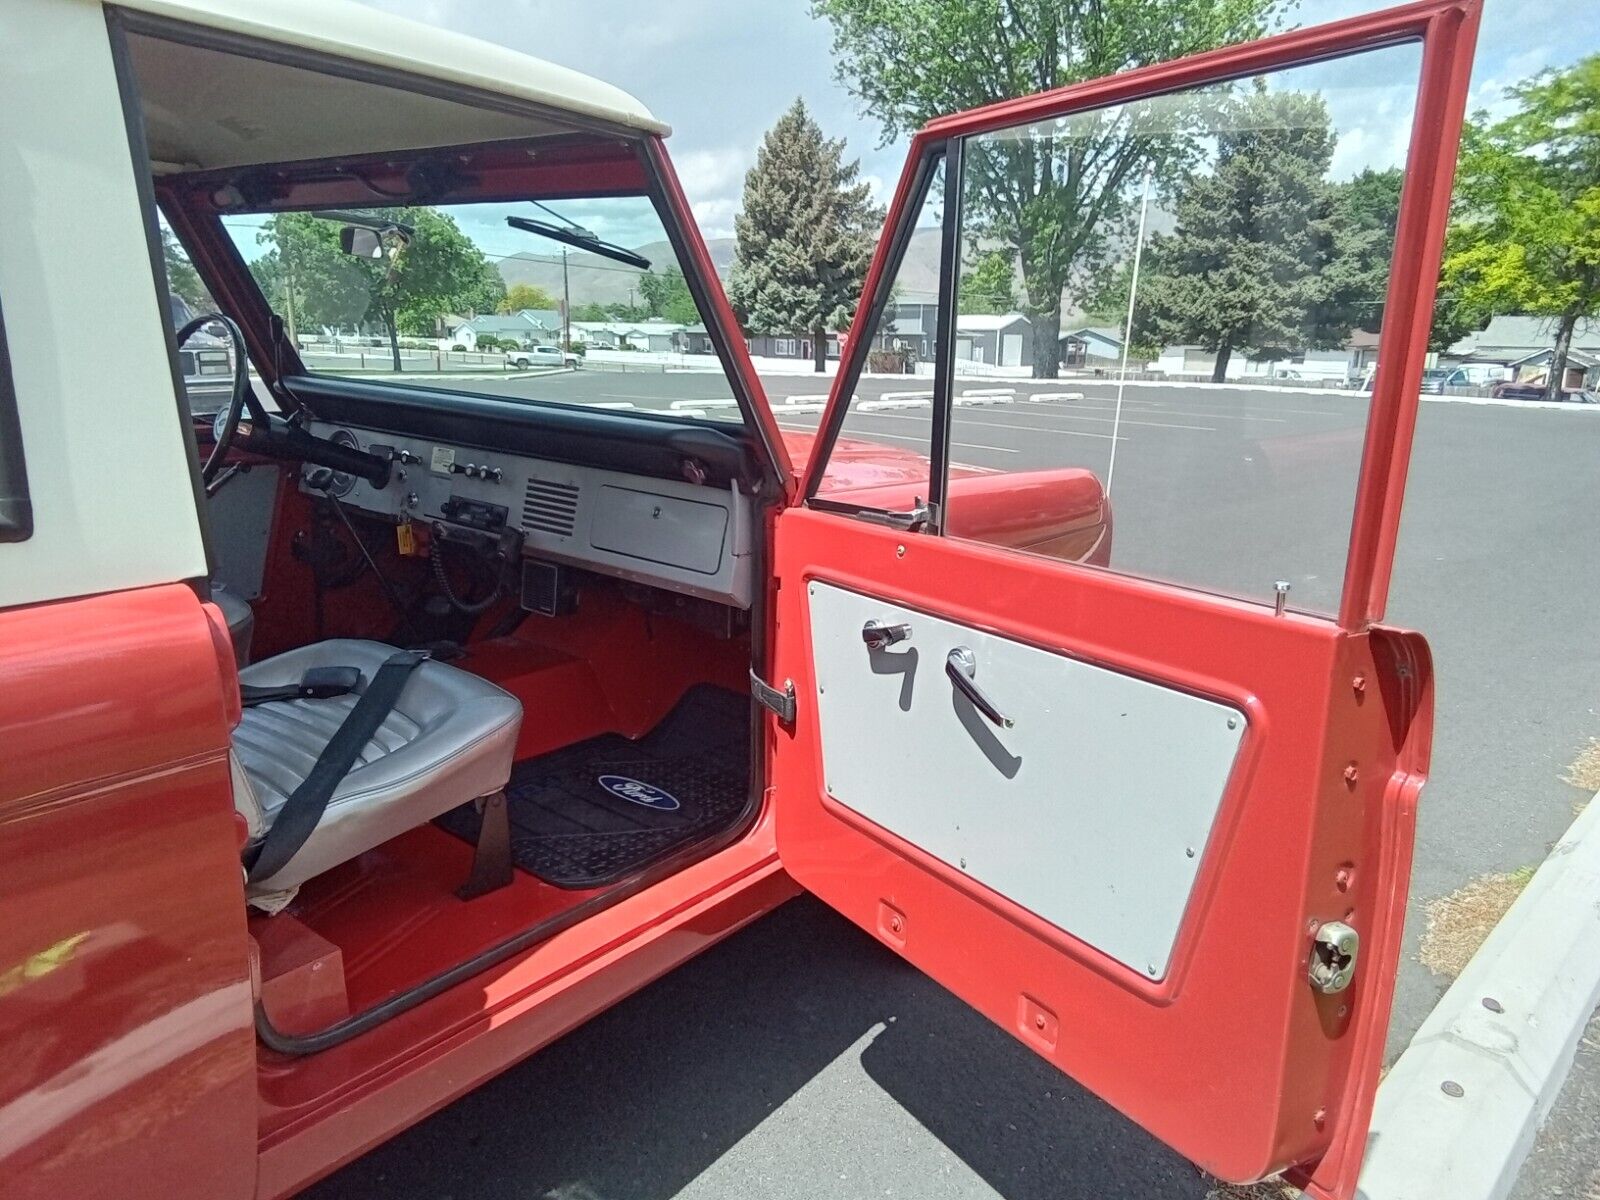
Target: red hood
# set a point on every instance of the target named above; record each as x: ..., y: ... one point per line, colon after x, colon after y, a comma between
x: 857, y: 464
x: 1061, y: 513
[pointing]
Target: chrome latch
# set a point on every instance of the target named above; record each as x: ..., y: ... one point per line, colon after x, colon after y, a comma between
x: 1333, y: 957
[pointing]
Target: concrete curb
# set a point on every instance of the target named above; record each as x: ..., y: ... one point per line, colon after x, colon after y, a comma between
x: 1459, y: 1112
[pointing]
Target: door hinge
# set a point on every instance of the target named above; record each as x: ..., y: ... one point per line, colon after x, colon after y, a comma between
x: 779, y: 700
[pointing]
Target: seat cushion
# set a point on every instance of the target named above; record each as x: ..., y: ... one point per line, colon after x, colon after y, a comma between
x: 449, y: 739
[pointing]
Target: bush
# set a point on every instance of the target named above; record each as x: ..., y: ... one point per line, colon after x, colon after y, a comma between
x: 886, y: 362
x: 458, y: 348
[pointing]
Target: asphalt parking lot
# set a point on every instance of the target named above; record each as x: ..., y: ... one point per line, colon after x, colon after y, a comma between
x: 801, y: 1059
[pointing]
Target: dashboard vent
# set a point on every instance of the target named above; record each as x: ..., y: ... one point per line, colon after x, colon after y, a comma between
x: 549, y: 507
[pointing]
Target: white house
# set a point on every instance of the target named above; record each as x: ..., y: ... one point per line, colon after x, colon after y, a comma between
x: 654, y: 335
x: 526, y: 326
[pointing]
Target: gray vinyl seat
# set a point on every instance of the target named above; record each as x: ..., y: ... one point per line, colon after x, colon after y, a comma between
x: 449, y: 739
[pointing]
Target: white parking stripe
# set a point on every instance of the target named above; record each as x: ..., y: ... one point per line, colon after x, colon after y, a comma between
x: 921, y: 441
x: 970, y: 420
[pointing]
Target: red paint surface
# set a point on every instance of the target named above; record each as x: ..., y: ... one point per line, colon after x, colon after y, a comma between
x: 124, y: 977
x: 1230, y: 1057
x: 322, y: 1111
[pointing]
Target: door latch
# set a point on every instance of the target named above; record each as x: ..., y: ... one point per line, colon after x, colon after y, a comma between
x: 1334, y: 949
x: 779, y: 701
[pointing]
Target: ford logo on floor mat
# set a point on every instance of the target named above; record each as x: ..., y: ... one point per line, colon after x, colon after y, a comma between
x: 636, y: 792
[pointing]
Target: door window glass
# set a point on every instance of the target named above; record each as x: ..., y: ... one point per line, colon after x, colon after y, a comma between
x: 880, y: 460
x: 1169, y: 299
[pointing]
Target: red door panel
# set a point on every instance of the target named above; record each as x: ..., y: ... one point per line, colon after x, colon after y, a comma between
x: 1232, y: 1057
x: 1227, y: 1041
x: 125, y: 1008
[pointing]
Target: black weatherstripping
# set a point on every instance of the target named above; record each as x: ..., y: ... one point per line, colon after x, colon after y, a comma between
x: 16, y: 510
x: 636, y: 443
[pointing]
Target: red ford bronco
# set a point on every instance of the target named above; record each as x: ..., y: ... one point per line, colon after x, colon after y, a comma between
x: 369, y: 724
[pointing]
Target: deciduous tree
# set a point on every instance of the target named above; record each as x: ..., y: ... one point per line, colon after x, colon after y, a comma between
x: 312, y: 282
x: 526, y: 295
x: 1526, y: 236
x: 1056, y: 207
x: 805, y: 234
x: 666, y: 295
x: 182, y: 278
x: 989, y: 284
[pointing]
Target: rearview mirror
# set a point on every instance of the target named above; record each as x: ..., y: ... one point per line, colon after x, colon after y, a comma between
x: 361, y: 242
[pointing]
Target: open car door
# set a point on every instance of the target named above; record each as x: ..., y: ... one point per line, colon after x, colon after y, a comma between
x: 1156, y: 820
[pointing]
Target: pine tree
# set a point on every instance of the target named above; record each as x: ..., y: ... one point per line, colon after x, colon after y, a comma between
x: 805, y: 235
x: 1262, y: 260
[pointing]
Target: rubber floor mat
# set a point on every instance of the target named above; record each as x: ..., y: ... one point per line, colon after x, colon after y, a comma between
x: 591, y: 814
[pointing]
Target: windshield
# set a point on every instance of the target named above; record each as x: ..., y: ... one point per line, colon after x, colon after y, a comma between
x: 520, y: 301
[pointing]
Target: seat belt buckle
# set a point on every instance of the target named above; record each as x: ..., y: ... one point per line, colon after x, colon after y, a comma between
x: 322, y: 683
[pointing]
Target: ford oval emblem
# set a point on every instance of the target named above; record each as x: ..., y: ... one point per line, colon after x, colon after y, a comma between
x: 635, y: 792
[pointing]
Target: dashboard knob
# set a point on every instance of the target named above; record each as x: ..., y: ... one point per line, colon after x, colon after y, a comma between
x: 493, y: 473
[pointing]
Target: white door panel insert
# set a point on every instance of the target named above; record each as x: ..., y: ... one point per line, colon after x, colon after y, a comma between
x: 1091, y: 810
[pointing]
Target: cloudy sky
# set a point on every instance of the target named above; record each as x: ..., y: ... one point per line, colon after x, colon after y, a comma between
x: 721, y: 71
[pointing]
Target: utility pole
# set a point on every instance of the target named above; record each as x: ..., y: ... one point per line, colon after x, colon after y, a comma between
x: 566, y: 306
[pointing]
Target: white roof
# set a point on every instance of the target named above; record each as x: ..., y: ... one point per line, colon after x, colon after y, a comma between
x: 984, y: 322
x: 356, y: 32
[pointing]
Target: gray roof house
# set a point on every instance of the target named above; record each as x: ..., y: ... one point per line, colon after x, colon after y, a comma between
x: 998, y: 339
x: 1091, y: 346
x: 526, y: 325
x: 1526, y: 344
x: 1507, y: 340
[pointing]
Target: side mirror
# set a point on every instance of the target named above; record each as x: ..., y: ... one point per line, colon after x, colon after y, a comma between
x: 361, y: 242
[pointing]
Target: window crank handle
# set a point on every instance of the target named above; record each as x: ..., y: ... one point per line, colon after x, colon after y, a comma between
x: 877, y: 634
x: 961, y: 665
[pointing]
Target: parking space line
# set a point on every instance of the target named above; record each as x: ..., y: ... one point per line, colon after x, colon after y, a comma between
x: 970, y: 420
x: 921, y: 441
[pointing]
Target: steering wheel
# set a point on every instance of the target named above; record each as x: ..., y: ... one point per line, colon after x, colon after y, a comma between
x: 225, y: 427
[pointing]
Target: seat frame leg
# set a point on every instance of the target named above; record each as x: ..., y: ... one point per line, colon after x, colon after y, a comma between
x: 491, y: 859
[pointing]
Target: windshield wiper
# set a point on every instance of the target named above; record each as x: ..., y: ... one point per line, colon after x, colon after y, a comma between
x: 583, y: 239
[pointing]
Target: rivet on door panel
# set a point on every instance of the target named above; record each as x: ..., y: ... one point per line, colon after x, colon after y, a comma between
x: 891, y: 923
x: 1036, y: 1023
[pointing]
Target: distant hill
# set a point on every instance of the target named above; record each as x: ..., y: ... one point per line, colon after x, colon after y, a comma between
x: 597, y: 280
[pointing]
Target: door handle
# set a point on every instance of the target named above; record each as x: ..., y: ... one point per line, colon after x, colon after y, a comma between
x: 961, y: 665
x: 877, y: 634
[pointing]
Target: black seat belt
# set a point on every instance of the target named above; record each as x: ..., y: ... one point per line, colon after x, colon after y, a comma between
x: 319, y: 683
x: 301, y: 812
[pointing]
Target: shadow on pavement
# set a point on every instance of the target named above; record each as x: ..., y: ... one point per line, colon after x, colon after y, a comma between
x: 639, y: 1102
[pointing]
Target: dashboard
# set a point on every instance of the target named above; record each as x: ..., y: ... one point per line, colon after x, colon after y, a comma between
x: 685, y: 536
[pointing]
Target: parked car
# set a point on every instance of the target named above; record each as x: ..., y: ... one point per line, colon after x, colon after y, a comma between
x: 541, y: 356
x: 1511, y: 390
x: 1438, y: 380
x: 263, y: 905
x: 205, y: 361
